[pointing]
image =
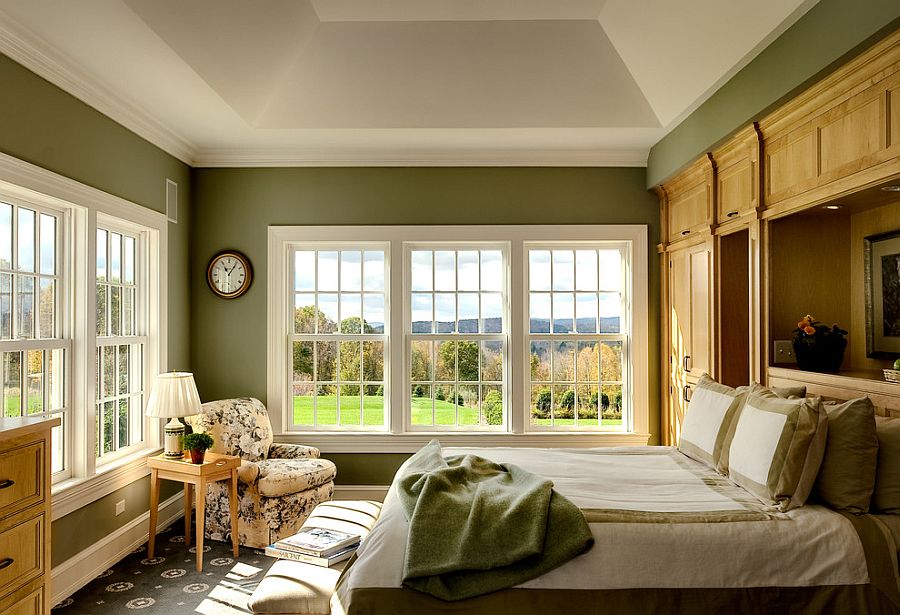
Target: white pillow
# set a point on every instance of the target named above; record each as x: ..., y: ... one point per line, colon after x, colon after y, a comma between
x: 777, y: 448
x: 706, y: 420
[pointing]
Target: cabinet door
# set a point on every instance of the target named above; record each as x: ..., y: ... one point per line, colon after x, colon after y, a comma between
x: 699, y: 360
x: 689, y: 211
x: 690, y: 316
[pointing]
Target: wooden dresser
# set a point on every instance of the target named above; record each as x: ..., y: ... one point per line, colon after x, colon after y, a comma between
x: 25, y: 516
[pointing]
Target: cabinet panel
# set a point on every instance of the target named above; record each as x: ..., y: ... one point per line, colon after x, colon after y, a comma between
x: 850, y: 133
x: 32, y: 604
x: 21, y: 479
x: 735, y: 190
x: 700, y: 358
x: 688, y: 212
x: 894, y: 115
x: 790, y: 161
x: 21, y: 553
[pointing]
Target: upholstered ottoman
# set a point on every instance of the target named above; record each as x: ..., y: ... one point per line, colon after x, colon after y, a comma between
x: 291, y: 587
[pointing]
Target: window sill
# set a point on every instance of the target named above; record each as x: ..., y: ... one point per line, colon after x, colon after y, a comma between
x: 411, y: 442
x: 74, y: 493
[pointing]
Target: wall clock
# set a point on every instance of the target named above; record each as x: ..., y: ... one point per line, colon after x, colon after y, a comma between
x: 229, y: 274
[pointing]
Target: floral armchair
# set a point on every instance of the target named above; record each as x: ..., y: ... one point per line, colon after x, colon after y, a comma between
x: 278, y: 484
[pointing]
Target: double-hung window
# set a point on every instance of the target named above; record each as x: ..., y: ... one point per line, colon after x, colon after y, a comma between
x: 338, y: 336
x: 491, y: 334
x: 35, y: 338
x: 82, y: 325
x: 121, y: 338
x: 456, y: 335
x: 576, y: 335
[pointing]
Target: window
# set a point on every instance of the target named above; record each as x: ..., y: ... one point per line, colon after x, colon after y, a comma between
x: 34, y: 330
x: 576, y: 336
x: 82, y: 325
x: 457, y: 337
x: 338, y: 339
x: 500, y: 335
x: 119, y: 361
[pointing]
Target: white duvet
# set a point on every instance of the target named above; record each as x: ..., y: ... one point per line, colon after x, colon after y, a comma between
x: 808, y: 546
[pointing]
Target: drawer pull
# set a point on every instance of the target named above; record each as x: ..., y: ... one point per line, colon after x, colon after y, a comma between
x: 6, y: 562
x: 684, y: 393
x: 685, y: 232
x: 732, y: 214
x: 6, y: 483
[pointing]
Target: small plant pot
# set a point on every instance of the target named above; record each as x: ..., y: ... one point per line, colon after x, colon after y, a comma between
x: 824, y: 355
x: 197, y: 456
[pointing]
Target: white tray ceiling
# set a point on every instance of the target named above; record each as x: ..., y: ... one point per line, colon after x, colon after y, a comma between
x: 408, y: 82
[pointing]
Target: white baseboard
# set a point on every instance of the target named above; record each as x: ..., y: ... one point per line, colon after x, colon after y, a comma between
x: 81, y: 569
x: 360, y: 492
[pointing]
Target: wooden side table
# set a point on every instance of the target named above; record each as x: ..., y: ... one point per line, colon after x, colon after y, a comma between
x: 195, y: 477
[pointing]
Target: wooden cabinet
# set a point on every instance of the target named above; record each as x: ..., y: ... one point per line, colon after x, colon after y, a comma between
x: 737, y: 176
x: 25, y: 515
x: 690, y: 317
x: 839, y: 135
x: 689, y: 338
x: 689, y: 201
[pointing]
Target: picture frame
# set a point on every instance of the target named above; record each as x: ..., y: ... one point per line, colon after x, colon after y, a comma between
x: 882, y: 278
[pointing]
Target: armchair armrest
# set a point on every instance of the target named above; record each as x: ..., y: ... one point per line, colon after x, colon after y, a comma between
x: 292, y: 451
x: 248, y: 472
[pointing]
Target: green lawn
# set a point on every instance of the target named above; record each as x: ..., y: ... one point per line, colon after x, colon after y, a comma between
x: 373, y: 412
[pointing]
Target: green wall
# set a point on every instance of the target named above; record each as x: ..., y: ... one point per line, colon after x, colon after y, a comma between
x: 41, y: 124
x: 233, y: 208
x: 825, y: 37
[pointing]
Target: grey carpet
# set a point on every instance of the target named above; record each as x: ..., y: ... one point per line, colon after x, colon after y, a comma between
x: 170, y: 583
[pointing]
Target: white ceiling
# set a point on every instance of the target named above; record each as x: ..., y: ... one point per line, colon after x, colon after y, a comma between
x: 407, y: 82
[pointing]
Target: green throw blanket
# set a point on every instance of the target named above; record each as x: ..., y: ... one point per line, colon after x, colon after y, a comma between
x: 476, y: 526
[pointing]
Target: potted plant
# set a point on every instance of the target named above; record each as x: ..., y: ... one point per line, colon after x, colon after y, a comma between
x: 818, y: 347
x: 197, y: 444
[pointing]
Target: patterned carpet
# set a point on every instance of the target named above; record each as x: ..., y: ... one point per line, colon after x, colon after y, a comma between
x: 170, y: 583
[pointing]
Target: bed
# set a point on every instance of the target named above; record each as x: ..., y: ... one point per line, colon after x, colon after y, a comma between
x: 671, y: 535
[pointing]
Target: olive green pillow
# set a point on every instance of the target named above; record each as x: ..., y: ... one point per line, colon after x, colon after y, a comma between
x: 886, y: 497
x: 847, y: 476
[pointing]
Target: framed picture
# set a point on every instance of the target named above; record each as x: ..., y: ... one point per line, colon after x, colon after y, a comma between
x: 883, y: 295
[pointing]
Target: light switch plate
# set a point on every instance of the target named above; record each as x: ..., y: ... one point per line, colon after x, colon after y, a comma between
x: 120, y: 507
x: 784, y: 352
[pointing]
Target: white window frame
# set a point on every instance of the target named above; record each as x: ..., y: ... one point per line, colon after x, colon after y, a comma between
x: 141, y: 235
x: 505, y: 335
x: 402, y: 439
x: 624, y: 336
x: 64, y: 337
x: 28, y: 183
x: 360, y: 246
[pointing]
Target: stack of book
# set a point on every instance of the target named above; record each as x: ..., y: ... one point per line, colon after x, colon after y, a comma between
x: 315, y: 545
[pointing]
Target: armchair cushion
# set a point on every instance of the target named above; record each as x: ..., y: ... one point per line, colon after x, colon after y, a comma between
x: 278, y: 477
x: 292, y: 451
x: 238, y: 426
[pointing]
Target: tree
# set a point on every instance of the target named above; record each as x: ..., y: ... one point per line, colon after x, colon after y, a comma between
x: 492, y: 407
x: 466, y: 353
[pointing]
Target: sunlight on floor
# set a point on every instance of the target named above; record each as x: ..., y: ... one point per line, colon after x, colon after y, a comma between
x: 230, y: 596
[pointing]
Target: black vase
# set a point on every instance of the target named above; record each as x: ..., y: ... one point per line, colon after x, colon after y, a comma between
x: 820, y: 354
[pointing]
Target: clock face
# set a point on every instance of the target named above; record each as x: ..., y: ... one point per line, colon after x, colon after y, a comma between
x: 229, y: 274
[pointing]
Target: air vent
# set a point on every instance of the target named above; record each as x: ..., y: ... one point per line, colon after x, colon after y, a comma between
x: 172, y: 201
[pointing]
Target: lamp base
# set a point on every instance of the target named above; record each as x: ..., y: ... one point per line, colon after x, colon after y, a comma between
x: 174, y: 431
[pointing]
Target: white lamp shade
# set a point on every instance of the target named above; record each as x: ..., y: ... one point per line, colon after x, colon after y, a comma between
x: 174, y: 394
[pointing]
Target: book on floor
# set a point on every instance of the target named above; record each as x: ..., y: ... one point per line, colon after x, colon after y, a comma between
x: 317, y: 541
x: 273, y: 551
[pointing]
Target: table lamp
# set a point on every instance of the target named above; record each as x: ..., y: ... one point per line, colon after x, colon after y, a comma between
x: 174, y: 394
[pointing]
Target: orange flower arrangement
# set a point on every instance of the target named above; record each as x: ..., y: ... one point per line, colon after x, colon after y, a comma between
x: 818, y: 347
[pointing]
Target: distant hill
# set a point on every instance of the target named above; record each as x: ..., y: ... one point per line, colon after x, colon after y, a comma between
x: 607, y: 325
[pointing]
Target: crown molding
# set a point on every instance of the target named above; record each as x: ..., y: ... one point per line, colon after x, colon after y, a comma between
x: 635, y: 157
x: 24, y: 47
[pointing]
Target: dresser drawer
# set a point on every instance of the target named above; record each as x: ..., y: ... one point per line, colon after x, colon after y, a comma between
x: 21, y: 477
x: 21, y: 554
x: 32, y: 604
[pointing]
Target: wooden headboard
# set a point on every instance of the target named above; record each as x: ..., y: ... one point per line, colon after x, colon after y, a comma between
x: 885, y: 396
